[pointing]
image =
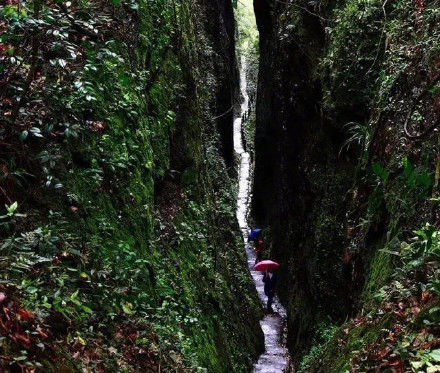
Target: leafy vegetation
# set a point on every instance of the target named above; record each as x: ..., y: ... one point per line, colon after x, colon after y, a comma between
x: 324, y: 334
x: 399, y: 331
x: 357, y: 83
x: 374, y: 72
x: 119, y: 246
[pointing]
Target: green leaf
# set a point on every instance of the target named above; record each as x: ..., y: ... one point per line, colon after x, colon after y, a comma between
x: 407, y: 167
x: 435, y: 355
x: 74, y: 295
x: 31, y: 290
x: 87, y: 309
x: 12, y: 208
x: 378, y: 170
x: 24, y: 134
x: 127, y: 309
x: 36, y: 132
x: 417, y: 364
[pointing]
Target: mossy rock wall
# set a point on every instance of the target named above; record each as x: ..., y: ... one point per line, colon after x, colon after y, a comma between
x: 339, y: 182
x: 129, y: 256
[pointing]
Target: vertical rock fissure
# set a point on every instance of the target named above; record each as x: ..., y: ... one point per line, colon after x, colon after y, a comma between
x: 275, y: 358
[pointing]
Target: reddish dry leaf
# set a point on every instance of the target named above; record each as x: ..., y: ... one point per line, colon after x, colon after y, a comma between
x: 426, y: 296
x: 387, y: 306
x: 98, y: 125
x: 23, y: 339
x: 42, y: 334
x: 7, y: 100
x: 6, y: 312
x: 398, y: 365
x: 415, y: 310
x: 400, y: 313
x: 25, y: 315
x: 359, y: 321
x: 382, y: 353
x: 430, y: 344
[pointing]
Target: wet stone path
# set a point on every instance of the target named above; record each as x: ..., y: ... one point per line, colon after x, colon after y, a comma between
x: 276, y: 358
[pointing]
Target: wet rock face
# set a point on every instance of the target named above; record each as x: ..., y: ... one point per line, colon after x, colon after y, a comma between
x: 220, y: 27
x: 220, y: 67
x: 299, y: 186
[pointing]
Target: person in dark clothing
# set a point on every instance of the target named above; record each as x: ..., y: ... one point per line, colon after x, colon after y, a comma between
x: 258, y: 249
x: 270, y: 280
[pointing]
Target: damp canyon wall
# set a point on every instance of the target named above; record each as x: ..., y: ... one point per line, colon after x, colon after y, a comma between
x: 346, y: 160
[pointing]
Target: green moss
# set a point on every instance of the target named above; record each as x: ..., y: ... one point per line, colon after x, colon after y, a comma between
x: 340, y: 349
x: 324, y: 334
x: 347, y: 84
x: 147, y: 247
x: 380, y: 269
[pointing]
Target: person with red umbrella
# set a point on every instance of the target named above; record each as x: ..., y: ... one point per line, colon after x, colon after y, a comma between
x: 269, y: 279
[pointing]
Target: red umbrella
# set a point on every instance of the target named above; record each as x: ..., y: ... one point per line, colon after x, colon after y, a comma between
x: 266, y: 265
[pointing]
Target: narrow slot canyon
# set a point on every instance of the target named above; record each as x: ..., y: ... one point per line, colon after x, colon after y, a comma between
x: 220, y: 186
x: 275, y: 357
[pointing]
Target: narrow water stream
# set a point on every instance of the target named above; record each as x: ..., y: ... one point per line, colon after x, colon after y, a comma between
x: 276, y: 357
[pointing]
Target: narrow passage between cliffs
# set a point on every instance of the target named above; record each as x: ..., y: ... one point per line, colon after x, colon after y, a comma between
x: 275, y: 357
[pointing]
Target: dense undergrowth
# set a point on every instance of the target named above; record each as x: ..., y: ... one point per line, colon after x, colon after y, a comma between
x: 393, y: 85
x: 372, y: 200
x: 119, y: 248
